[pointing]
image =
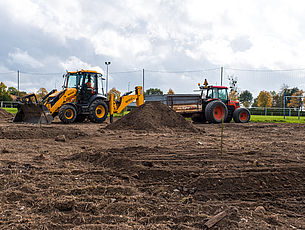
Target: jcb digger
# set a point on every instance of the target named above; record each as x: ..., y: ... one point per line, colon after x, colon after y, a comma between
x: 82, y: 97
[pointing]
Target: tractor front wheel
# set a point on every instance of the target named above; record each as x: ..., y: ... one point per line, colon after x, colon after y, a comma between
x: 98, y: 111
x: 241, y: 115
x: 67, y: 114
x: 216, y: 111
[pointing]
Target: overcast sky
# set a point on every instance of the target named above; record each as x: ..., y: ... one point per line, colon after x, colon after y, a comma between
x: 50, y: 37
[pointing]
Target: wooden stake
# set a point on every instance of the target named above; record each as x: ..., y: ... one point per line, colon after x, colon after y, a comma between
x: 221, y: 137
x: 215, y: 219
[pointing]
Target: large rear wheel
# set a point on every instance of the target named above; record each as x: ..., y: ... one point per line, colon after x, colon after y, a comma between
x: 98, y: 111
x: 241, y: 115
x: 67, y: 114
x: 216, y: 111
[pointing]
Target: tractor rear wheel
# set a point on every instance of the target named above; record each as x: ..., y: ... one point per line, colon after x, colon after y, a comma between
x: 67, y: 114
x: 241, y: 115
x: 98, y: 111
x: 216, y: 111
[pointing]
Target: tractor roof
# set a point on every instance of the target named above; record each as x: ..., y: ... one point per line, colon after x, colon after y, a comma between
x: 219, y: 87
x: 212, y: 86
x: 84, y: 71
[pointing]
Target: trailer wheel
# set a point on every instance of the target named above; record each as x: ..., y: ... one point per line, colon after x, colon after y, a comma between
x: 198, y: 118
x: 216, y: 111
x: 67, y: 114
x: 98, y: 111
x: 241, y: 115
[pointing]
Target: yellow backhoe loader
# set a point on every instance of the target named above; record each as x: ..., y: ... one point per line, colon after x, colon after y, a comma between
x: 82, y: 97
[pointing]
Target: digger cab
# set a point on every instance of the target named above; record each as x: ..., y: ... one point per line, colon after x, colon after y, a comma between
x: 87, y: 84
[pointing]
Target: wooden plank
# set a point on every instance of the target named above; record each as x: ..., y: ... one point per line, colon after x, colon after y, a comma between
x: 215, y: 219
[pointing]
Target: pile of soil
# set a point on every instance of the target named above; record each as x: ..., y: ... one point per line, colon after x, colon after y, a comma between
x: 153, y: 116
x: 4, y: 115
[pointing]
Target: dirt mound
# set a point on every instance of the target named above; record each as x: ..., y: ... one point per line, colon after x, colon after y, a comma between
x: 4, y: 115
x: 153, y: 116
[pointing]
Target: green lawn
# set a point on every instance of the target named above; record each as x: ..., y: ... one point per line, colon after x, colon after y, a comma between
x: 276, y: 119
x: 11, y: 110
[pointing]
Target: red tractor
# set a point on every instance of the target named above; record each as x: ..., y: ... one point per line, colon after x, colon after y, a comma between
x: 216, y: 106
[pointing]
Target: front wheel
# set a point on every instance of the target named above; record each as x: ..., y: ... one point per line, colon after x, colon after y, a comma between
x: 216, y: 111
x: 67, y: 114
x: 98, y: 111
x: 241, y: 115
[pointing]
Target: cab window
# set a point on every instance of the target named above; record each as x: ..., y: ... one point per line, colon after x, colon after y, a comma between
x: 222, y: 94
x: 210, y: 93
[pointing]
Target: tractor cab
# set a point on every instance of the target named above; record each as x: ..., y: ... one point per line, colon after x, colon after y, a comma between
x: 209, y: 92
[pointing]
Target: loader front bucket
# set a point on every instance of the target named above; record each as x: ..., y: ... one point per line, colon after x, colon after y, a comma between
x: 33, y: 113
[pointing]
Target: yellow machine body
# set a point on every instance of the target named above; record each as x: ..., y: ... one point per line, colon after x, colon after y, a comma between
x: 65, y: 96
x: 118, y: 106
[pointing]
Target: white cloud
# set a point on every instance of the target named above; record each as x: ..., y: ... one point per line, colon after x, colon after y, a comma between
x: 73, y: 64
x: 22, y: 58
x: 154, y: 34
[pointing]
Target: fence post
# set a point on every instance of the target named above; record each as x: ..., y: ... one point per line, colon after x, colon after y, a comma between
x: 284, y: 102
x: 299, y: 114
x: 1, y: 104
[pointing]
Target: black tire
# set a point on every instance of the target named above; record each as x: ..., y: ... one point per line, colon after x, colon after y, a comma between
x: 67, y: 114
x: 80, y: 118
x: 198, y: 118
x: 229, y: 118
x: 241, y: 115
x: 215, y: 111
x: 98, y: 111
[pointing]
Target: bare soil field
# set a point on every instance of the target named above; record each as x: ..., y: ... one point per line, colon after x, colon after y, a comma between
x: 97, y: 178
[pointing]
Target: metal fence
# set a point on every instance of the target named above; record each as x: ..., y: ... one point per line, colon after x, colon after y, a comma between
x: 8, y: 104
x: 277, y: 111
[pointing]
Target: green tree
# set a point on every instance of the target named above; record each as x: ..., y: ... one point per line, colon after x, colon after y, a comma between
x: 288, y: 92
x: 254, y: 104
x: 264, y: 99
x: 296, y: 101
x: 153, y: 91
x: 116, y: 93
x: 12, y: 91
x: 4, y: 95
x: 170, y: 91
x: 233, y: 95
x: 41, y: 93
x: 246, y: 98
x: 277, y: 99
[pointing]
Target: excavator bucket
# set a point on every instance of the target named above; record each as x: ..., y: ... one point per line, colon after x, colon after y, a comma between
x: 32, y: 112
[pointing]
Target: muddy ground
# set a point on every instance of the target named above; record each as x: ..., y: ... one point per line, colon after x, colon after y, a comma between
x: 96, y: 178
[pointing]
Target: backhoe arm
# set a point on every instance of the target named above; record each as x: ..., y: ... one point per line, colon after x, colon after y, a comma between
x: 117, y: 107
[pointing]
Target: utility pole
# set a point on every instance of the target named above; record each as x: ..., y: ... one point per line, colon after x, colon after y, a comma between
x: 143, y: 74
x: 18, y: 82
x: 221, y: 75
x: 107, y: 63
